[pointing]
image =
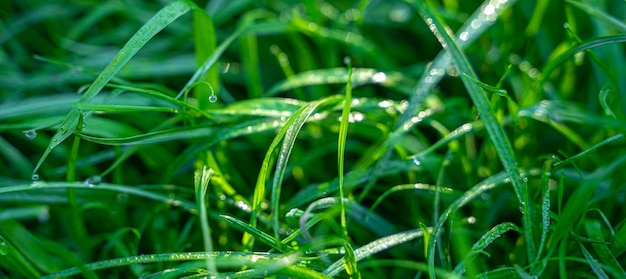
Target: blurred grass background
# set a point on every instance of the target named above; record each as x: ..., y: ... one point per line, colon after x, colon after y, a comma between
x: 122, y: 184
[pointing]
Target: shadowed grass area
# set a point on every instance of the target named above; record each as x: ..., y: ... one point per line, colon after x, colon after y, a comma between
x: 314, y: 139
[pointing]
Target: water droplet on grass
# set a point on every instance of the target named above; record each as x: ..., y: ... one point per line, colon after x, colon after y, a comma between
x: 35, y: 177
x: 4, y: 248
x: 93, y: 181
x: 30, y: 134
x: 417, y: 161
x: 213, y: 98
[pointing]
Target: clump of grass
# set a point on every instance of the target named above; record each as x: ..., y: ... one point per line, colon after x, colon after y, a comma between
x: 234, y: 139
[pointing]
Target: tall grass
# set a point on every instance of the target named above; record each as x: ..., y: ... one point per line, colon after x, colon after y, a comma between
x: 349, y: 139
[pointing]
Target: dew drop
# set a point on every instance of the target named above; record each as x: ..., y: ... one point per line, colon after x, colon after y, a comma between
x: 4, y: 248
x: 93, y: 181
x: 30, y: 134
x: 35, y: 177
x: 417, y: 161
x: 213, y: 98
x: 347, y: 60
x: 84, y: 125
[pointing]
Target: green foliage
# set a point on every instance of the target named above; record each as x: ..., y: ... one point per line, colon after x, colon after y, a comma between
x: 190, y: 139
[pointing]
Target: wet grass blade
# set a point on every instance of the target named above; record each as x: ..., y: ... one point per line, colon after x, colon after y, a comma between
x: 161, y: 20
x: 255, y: 233
x: 480, y: 100
x: 579, y: 199
x: 221, y: 259
x: 292, y: 128
x: 341, y: 147
x: 201, y: 182
x: 374, y: 247
x: 591, y: 43
x: 484, y: 241
x: 14, y: 261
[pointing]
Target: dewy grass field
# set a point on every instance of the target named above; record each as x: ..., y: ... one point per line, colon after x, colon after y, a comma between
x: 313, y: 139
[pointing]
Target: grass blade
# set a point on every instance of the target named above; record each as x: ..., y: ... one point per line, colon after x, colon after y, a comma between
x: 591, y: 43
x: 292, y: 128
x: 205, y: 43
x: 162, y: 19
x: 14, y: 261
x: 341, y: 146
x: 606, y: 18
x: 374, y: 247
x: 201, y: 179
x: 593, y: 263
x: 495, y: 130
x: 222, y: 259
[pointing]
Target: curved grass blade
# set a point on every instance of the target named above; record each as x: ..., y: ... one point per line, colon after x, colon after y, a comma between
x: 591, y: 43
x: 156, y: 137
x: 593, y: 263
x: 352, y: 180
x: 292, y: 128
x: 204, y: 44
x: 484, y: 241
x: 256, y: 233
x: 159, y: 21
x: 123, y: 108
x: 211, y: 60
x: 488, y: 184
x: 222, y: 259
x: 374, y: 247
x: 35, y: 186
x: 201, y: 183
x: 358, y: 213
x: 417, y: 186
x: 259, y: 189
x: 605, y: 91
x: 606, y: 18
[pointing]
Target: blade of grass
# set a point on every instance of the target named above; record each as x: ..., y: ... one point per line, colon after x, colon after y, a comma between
x: 15, y: 261
x: 374, y: 247
x: 162, y: 19
x: 77, y: 224
x: 205, y: 44
x: 578, y: 201
x: 256, y: 233
x: 587, y: 44
x: 292, y: 129
x: 480, y: 100
x: 222, y: 259
x: 467, y: 34
x: 484, y: 241
x: 606, y: 18
x: 593, y: 263
x: 341, y: 147
x: 201, y: 179
x: 605, y: 254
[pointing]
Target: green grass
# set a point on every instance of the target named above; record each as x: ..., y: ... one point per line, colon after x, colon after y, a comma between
x: 279, y: 139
